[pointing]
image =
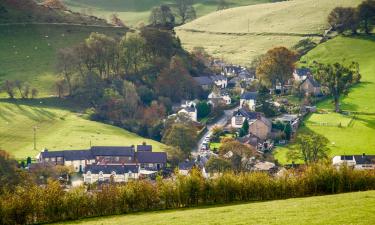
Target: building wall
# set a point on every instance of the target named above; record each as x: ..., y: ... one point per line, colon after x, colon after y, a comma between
x: 307, y: 87
x: 237, y: 121
x: 249, y: 103
x: 260, y: 129
x: 92, y: 178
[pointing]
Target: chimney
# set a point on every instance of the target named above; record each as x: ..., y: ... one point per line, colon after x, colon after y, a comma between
x: 363, y: 155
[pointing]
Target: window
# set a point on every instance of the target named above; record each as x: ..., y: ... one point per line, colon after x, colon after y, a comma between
x: 53, y: 159
x: 238, y: 120
x: 117, y: 159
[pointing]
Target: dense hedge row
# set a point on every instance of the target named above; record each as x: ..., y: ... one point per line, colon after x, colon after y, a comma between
x: 28, y: 205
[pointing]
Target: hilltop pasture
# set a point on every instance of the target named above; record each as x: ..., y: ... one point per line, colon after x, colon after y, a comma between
x: 240, y: 34
x: 135, y: 12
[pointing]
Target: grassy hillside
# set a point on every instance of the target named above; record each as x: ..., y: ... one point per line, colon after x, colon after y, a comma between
x: 58, y: 127
x: 28, y: 53
x: 356, y: 134
x: 133, y: 12
x: 352, y: 208
x: 240, y: 34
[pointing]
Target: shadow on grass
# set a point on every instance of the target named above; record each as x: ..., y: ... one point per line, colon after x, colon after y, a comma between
x: 48, y: 102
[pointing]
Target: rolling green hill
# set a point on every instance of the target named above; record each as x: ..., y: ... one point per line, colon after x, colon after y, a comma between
x: 240, y: 34
x: 28, y: 52
x: 347, y: 134
x: 352, y: 208
x: 60, y: 125
x: 133, y: 12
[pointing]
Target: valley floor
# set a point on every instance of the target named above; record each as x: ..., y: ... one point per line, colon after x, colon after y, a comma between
x: 351, y: 208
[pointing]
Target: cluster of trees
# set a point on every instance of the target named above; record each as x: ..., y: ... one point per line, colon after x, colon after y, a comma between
x: 29, y: 204
x: 17, y: 87
x: 347, y: 18
x: 337, y: 78
x: 165, y: 16
x: 131, y: 82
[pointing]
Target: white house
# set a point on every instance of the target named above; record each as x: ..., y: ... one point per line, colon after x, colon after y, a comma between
x: 301, y: 74
x: 248, y: 100
x: 241, y: 115
x: 220, y: 81
x: 114, y: 173
x: 191, y: 112
x: 219, y: 97
x: 359, y: 162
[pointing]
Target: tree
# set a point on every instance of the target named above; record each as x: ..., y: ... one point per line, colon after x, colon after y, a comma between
x: 215, y: 164
x: 182, y: 136
x: 222, y: 4
x: 10, y: 175
x: 185, y: 10
x: 66, y: 66
x: 162, y: 16
x: 304, y: 46
x: 366, y: 14
x: 55, y: 4
x: 237, y: 151
x: 310, y: 147
x: 115, y: 20
x: 132, y: 53
x: 276, y: 66
x: 34, y: 92
x: 131, y: 99
x: 337, y: 78
x: 264, y: 103
x: 203, y: 108
x: 245, y: 126
x: 175, y: 155
x: 342, y: 19
x: 8, y: 87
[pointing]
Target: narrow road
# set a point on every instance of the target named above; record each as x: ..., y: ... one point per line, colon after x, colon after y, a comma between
x: 221, y: 122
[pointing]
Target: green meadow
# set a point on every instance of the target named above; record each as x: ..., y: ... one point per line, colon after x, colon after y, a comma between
x: 28, y: 52
x: 240, y: 34
x: 351, y: 208
x: 59, y: 126
x: 135, y: 12
x: 353, y: 133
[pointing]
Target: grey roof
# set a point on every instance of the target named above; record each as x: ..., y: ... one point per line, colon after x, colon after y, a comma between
x: 186, y: 165
x: 204, y: 80
x: 218, y: 77
x: 151, y: 157
x: 108, y: 169
x: 112, y: 150
x: 364, y: 159
x: 189, y: 109
x: 347, y: 157
x: 246, y: 113
x: 303, y: 72
x: 249, y: 95
x: 68, y: 155
x: 312, y: 81
x: 144, y: 148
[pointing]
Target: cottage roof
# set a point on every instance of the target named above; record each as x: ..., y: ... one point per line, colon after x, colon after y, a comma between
x: 249, y: 95
x: 151, y: 157
x: 70, y: 155
x: 112, y: 150
x: 203, y: 80
x: 364, y: 159
x: 313, y: 82
x: 144, y: 148
x: 186, y: 165
x: 302, y: 72
x: 108, y: 169
x: 246, y: 113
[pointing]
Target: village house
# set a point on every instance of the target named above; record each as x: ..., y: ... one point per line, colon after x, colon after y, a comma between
x: 220, y: 81
x: 291, y: 119
x: 191, y: 111
x: 248, y: 100
x: 311, y: 87
x: 261, y: 128
x: 113, y: 173
x: 205, y: 82
x: 98, y: 160
x: 241, y: 115
x: 300, y: 74
x: 219, y: 97
x: 359, y: 162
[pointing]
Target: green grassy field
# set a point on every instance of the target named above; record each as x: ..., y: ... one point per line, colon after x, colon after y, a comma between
x: 58, y: 127
x: 28, y: 53
x: 134, y: 12
x: 351, y: 208
x: 240, y: 34
x: 355, y: 136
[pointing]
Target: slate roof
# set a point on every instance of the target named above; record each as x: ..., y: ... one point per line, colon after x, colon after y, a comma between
x: 347, y: 157
x: 303, y: 72
x: 364, y: 159
x: 151, y: 157
x: 112, y: 151
x: 246, y: 113
x: 108, y: 169
x: 186, y: 165
x: 69, y: 155
x: 312, y: 81
x: 144, y: 148
x: 249, y: 95
x: 203, y: 80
